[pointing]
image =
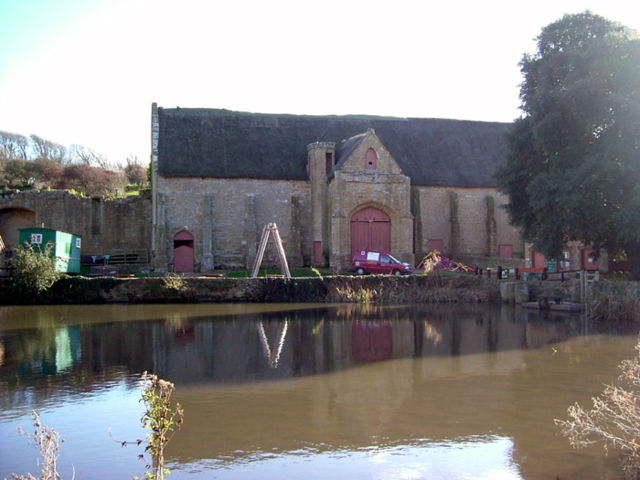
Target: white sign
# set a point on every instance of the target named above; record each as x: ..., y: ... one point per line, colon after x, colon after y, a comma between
x: 36, y: 238
x: 78, y: 242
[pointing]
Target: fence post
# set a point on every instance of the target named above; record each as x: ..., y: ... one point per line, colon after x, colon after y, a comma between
x: 583, y: 286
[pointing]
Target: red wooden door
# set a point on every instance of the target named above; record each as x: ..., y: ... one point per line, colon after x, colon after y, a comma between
x: 183, y: 259
x: 183, y: 252
x: 370, y: 230
x: 538, y: 260
x: 435, y: 244
x: 506, y: 251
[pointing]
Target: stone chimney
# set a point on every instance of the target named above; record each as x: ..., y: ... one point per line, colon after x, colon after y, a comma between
x: 321, y: 157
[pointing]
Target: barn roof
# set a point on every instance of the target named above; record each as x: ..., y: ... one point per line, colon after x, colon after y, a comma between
x: 228, y: 144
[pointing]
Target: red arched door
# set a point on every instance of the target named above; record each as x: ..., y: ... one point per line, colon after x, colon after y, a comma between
x: 370, y: 230
x: 183, y: 252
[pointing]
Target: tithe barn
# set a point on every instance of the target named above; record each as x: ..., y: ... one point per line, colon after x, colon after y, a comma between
x: 332, y: 184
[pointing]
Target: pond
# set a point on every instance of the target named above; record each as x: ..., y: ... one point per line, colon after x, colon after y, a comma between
x: 308, y: 392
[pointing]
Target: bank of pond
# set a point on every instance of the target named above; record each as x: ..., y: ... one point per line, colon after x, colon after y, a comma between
x: 617, y: 300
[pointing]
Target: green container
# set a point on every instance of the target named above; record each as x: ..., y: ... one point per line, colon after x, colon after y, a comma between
x: 67, y: 246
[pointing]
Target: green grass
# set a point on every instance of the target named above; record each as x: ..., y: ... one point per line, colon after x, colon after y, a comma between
x: 132, y: 190
x: 295, y: 272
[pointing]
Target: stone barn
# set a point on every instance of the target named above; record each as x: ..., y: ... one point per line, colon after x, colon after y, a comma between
x: 332, y: 184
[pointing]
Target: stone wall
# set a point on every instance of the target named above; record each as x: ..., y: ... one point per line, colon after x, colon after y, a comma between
x: 104, y: 225
x: 469, y: 221
x: 227, y: 216
x: 380, y: 289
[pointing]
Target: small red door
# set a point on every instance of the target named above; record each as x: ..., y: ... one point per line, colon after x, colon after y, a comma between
x: 538, y: 260
x: 370, y: 230
x: 435, y: 244
x: 183, y: 252
x: 505, y: 251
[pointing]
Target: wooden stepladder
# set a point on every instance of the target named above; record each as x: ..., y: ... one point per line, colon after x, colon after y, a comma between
x: 271, y: 228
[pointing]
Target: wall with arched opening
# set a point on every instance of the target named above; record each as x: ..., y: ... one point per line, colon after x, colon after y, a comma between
x: 12, y: 220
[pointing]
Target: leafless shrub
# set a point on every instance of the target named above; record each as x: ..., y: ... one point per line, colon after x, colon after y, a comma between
x: 613, y: 420
x: 48, y: 441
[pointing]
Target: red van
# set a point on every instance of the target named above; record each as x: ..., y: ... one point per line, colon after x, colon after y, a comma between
x: 372, y: 261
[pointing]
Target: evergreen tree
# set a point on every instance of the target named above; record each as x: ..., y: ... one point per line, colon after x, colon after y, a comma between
x: 573, y: 168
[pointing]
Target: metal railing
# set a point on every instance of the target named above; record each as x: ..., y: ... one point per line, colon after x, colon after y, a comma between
x: 135, y: 256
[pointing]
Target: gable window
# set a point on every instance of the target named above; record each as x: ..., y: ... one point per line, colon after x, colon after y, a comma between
x: 371, y: 159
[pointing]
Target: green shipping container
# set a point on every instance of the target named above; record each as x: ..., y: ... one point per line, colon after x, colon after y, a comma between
x: 66, y: 249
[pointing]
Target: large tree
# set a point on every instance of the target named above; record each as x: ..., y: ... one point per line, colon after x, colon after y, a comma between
x: 573, y: 167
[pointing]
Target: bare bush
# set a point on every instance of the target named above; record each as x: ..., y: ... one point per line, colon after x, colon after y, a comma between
x: 135, y: 172
x: 613, y: 420
x: 91, y: 181
x: 48, y: 442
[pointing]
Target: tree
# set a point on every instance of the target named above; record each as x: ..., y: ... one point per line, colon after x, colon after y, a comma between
x: 136, y: 173
x: 48, y: 150
x: 13, y: 146
x: 573, y: 166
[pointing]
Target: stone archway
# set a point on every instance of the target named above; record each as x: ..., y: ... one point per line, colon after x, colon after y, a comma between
x: 370, y: 230
x: 12, y: 220
x: 183, y: 252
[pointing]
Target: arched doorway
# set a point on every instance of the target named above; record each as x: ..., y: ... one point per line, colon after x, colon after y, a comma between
x: 183, y: 252
x: 12, y: 220
x: 370, y: 230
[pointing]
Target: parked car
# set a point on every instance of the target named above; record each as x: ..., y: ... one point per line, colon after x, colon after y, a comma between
x: 373, y: 261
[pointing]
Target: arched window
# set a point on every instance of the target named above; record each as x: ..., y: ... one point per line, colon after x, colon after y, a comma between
x: 372, y: 159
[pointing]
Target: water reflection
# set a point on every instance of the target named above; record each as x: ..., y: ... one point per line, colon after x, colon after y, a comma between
x: 279, y: 331
x: 370, y: 392
x: 242, y: 348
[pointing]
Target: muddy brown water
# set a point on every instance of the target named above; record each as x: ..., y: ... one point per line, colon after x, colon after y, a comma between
x: 306, y: 391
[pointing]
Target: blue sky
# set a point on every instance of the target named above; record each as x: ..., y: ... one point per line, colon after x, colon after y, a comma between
x: 87, y: 71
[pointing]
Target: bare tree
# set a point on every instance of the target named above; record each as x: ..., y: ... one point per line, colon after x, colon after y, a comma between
x: 81, y: 154
x: 47, y: 149
x: 13, y: 146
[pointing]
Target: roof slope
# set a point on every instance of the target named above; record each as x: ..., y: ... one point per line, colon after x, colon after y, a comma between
x: 227, y: 144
